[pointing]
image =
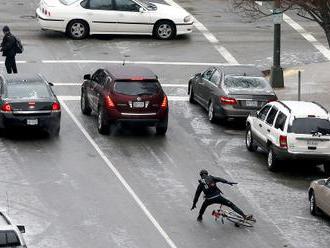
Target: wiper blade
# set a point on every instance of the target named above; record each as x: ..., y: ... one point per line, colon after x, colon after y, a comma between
x: 145, y: 94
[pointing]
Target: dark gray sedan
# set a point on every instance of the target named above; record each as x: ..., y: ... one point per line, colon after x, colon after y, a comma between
x: 230, y: 92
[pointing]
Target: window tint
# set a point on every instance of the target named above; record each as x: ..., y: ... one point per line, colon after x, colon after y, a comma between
x: 271, y: 116
x: 29, y: 90
x: 137, y: 88
x: 9, y: 239
x: 100, y: 4
x: 310, y: 125
x: 207, y: 74
x: 263, y: 112
x: 280, y: 121
x: 127, y: 5
x: 216, y: 77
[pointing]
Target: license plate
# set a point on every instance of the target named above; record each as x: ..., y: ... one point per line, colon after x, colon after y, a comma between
x: 251, y: 104
x: 312, y: 142
x: 138, y: 104
x: 32, y: 122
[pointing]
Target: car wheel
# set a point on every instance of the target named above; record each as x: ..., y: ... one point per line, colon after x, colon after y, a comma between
x: 78, y: 29
x: 164, y: 30
x: 249, y: 142
x: 312, y: 204
x: 326, y: 167
x: 272, y: 162
x: 84, y: 104
x: 211, y: 113
x: 161, y: 128
x: 54, y: 132
x: 191, y: 95
x: 103, y: 125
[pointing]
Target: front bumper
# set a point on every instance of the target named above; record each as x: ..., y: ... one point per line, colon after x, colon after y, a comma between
x: 185, y: 28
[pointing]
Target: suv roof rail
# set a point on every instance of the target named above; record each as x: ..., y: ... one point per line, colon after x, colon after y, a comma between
x: 285, y: 106
x: 326, y: 111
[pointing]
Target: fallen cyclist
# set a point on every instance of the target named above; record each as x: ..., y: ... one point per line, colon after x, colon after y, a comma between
x: 213, y: 195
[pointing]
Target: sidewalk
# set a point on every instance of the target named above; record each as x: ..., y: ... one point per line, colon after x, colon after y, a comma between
x: 315, y: 84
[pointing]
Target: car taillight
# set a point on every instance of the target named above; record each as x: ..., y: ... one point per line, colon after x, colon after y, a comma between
x: 164, y: 104
x: 56, y: 106
x: 6, y: 107
x: 109, y: 103
x: 228, y: 100
x: 283, y: 141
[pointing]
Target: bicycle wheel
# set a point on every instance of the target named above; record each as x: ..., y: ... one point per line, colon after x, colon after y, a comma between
x: 238, y: 220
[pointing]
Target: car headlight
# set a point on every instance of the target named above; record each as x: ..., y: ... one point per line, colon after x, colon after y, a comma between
x: 187, y: 19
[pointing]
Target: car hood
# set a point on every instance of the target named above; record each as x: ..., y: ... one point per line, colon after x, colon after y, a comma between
x: 169, y: 10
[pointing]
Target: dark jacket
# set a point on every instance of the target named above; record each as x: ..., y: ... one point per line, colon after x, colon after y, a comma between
x: 8, y: 45
x: 208, y: 185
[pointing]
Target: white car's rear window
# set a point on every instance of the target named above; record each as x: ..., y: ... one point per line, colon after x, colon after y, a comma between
x: 68, y: 2
x: 310, y: 126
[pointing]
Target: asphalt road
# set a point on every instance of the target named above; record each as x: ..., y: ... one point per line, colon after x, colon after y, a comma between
x: 133, y: 188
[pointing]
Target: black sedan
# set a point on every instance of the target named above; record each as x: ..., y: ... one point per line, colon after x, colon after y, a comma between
x: 28, y: 101
x: 230, y: 92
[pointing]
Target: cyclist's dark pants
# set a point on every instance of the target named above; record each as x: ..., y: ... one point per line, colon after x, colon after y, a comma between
x: 220, y: 200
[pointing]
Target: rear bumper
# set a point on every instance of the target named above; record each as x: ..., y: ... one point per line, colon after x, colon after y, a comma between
x: 47, y: 23
x: 9, y: 120
x: 284, y: 154
x: 231, y: 112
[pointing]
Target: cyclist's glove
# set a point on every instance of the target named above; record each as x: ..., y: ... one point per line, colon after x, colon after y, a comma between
x: 231, y: 183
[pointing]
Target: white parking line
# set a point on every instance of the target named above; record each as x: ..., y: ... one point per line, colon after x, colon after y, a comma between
x: 210, y: 37
x: 163, y: 85
x: 170, y: 98
x: 120, y: 177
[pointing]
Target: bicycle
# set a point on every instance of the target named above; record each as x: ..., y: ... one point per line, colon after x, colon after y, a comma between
x: 232, y: 216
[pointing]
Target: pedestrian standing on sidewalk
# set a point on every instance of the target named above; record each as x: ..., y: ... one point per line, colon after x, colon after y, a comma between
x: 8, y: 49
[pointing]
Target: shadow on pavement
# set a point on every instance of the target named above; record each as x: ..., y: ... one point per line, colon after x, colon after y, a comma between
x: 24, y: 134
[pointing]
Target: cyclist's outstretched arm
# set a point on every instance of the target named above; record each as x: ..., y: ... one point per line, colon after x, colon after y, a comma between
x: 221, y: 180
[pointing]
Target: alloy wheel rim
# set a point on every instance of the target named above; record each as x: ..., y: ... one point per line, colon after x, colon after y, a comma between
x: 164, y: 31
x: 211, y: 111
x: 248, y: 139
x: 77, y: 30
x: 270, y: 158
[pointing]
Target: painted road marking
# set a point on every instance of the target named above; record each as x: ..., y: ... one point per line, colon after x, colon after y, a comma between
x: 308, y: 36
x: 163, y: 85
x: 210, y: 37
x: 170, y: 98
x: 120, y: 177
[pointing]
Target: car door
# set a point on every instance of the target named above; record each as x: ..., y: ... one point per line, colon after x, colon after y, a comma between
x: 327, y: 198
x: 258, y: 125
x: 99, y: 88
x: 100, y: 15
x: 278, y: 129
x: 212, y: 88
x: 202, y: 87
x: 92, y: 89
x: 131, y: 19
x: 268, y: 129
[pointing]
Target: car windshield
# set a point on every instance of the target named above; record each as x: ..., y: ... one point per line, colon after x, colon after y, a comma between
x: 137, y: 88
x: 243, y: 82
x: 310, y: 126
x: 68, y: 2
x: 23, y: 90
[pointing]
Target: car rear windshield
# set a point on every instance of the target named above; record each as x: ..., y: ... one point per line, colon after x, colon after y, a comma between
x: 243, y: 82
x: 9, y: 239
x: 28, y: 90
x: 137, y: 88
x: 68, y: 2
x: 310, y: 126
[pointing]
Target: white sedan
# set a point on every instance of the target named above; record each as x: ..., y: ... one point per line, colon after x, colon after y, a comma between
x: 79, y: 18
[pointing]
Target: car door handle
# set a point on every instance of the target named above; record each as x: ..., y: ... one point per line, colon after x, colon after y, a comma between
x: 260, y: 125
x: 268, y: 130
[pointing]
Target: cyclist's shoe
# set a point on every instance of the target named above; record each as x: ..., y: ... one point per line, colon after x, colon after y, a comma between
x: 249, y: 217
x: 199, y: 218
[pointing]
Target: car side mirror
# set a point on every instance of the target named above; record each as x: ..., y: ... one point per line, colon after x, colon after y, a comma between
x: 51, y: 84
x: 87, y: 77
x: 141, y: 10
x: 254, y: 113
x: 21, y: 228
x: 198, y: 75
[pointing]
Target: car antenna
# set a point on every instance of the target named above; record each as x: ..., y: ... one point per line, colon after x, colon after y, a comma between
x: 124, y: 60
x: 7, y: 199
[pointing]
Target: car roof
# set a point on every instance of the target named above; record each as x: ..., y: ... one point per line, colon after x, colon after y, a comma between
x: 242, y: 70
x: 301, y: 108
x: 130, y: 71
x: 15, y: 78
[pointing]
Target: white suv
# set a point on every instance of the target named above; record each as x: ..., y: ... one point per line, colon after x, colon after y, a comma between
x: 291, y: 130
x: 10, y: 235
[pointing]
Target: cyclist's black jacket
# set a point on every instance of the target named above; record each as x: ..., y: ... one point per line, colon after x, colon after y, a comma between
x: 209, y: 186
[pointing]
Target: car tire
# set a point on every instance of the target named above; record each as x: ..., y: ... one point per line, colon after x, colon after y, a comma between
x: 210, y: 112
x: 54, y: 132
x: 191, y: 96
x: 103, y: 125
x: 164, y: 30
x: 78, y: 29
x: 314, y: 210
x: 326, y: 167
x: 249, y: 141
x: 272, y: 162
x: 161, y: 127
x: 84, y: 104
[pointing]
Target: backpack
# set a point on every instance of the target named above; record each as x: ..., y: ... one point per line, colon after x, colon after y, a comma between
x: 18, y: 46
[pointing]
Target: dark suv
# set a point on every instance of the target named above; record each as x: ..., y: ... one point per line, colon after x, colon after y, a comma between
x: 125, y: 94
